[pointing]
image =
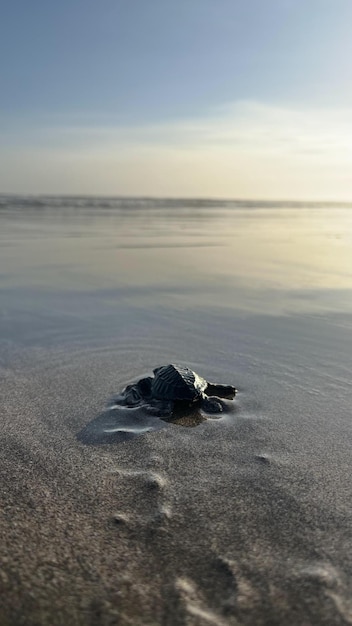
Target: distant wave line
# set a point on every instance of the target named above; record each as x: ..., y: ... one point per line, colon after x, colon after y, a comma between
x: 135, y: 203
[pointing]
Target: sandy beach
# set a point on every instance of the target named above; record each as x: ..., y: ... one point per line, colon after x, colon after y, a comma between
x: 241, y: 519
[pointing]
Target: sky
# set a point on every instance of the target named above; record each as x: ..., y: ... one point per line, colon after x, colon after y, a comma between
x: 198, y: 98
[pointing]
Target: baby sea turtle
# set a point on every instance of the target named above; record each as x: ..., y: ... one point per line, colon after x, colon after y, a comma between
x: 175, y: 385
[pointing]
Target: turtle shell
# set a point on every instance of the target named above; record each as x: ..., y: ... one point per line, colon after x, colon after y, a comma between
x: 175, y: 382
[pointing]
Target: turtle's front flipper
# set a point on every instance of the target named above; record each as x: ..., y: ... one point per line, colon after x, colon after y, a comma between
x: 212, y: 404
x: 222, y: 391
x: 136, y: 393
x: 144, y: 386
x: 130, y: 396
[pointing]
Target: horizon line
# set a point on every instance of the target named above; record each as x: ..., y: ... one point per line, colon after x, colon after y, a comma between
x: 171, y: 198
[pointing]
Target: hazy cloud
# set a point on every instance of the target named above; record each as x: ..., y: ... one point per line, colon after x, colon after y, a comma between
x: 246, y: 149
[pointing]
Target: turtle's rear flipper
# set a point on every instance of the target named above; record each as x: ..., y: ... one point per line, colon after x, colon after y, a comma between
x: 222, y: 391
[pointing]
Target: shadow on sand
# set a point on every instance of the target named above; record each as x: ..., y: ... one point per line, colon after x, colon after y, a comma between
x: 117, y: 424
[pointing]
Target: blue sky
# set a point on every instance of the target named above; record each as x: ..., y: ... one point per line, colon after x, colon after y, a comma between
x: 115, y: 96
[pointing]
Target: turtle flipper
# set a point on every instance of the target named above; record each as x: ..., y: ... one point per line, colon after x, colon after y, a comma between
x: 212, y: 404
x: 222, y: 391
x: 144, y: 386
x: 135, y: 394
x: 130, y: 396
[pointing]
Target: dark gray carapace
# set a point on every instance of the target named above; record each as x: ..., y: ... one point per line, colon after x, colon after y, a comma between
x: 176, y: 382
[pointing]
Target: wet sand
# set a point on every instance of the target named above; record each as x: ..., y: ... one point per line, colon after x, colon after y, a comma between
x: 244, y: 519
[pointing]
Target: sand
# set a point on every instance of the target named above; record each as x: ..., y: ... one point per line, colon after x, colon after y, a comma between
x: 238, y: 520
x: 244, y: 519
